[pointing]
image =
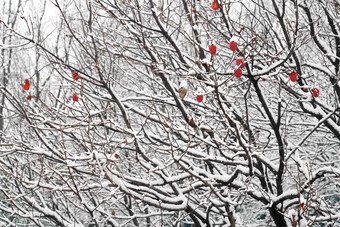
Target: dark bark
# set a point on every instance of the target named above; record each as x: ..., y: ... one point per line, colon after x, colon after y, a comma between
x: 277, y: 217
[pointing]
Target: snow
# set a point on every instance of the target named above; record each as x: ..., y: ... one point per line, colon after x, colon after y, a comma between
x: 206, y: 61
x: 116, y: 180
x: 234, y: 39
x: 183, y: 84
x: 292, y: 215
x: 62, y: 156
x: 288, y: 194
x: 303, y: 222
x: 54, y: 214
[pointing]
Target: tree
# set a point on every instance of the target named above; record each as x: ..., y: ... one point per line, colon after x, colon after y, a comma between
x: 6, y: 55
x: 118, y: 135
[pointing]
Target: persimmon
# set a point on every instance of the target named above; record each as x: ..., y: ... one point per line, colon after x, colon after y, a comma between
x: 233, y: 45
x: 293, y: 76
x: 214, y: 5
x: 27, y: 85
x: 238, y: 73
x: 199, y: 98
x: 75, y: 76
x: 212, y: 49
x: 316, y: 92
x: 75, y: 97
x: 239, y: 61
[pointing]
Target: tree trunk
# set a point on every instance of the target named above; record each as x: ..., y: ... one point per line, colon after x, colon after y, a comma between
x: 277, y: 217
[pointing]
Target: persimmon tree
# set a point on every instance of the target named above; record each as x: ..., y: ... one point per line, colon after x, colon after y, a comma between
x: 180, y: 112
